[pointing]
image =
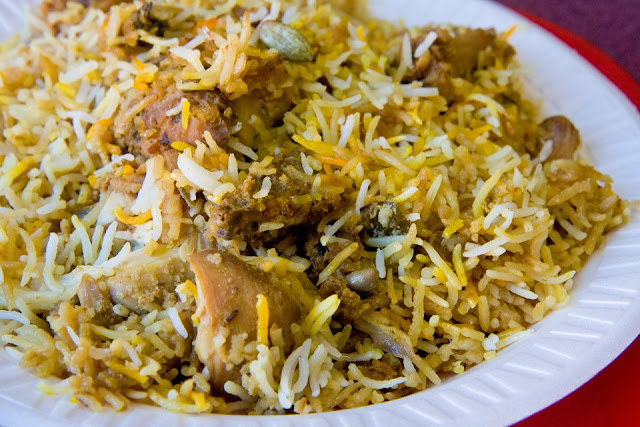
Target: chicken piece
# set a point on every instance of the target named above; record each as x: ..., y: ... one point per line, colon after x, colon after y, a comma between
x: 104, y: 5
x: 378, y: 370
x: 456, y: 53
x: 58, y: 5
x: 384, y: 219
x: 151, y: 132
x: 289, y: 202
x: 267, y: 72
x: 321, y: 255
x: 52, y: 6
x: 268, y: 99
x: 143, y: 281
x: 464, y: 48
x: 260, y: 104
x: 93, y: 295
x: 352, y: 304
x: 142, y: 19
x: 171, y: 213
x: 120, y: 183
x: 130, y: 184
x: 355, y: 281
x: 227, y: 294
x: 518, y: 124
x: 563, y: 134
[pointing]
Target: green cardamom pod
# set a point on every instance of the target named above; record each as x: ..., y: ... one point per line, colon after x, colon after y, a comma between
x: 286, y: 40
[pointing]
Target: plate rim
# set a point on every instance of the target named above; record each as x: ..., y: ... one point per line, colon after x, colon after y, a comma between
x: 624, y: 336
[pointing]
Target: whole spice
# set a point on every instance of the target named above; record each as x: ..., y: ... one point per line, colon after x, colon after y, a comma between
x: 286, y: 40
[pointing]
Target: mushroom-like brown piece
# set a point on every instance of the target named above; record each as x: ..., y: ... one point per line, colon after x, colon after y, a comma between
x: 388, y: 337
x: 392, y: 340
x: 151, y: 132
x: 563, y: 134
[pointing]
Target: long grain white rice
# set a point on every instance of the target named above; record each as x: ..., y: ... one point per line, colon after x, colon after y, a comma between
x: 425, y: 44
x: 264, y: 189
x: 478, y: 250
x: 177, y: 322
x: 199, y: 176
x: 520, y: 291
x: 12, y: 315
x: 365, y: 134
x: 362, y: 194
x: 380, y: 265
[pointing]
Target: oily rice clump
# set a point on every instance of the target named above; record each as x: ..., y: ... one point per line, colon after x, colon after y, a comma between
x: 269, y: 207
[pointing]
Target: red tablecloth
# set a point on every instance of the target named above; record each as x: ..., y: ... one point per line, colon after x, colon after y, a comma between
x: 612, y: 398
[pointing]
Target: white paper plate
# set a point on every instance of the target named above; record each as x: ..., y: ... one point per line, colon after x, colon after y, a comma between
x: 569, y: 346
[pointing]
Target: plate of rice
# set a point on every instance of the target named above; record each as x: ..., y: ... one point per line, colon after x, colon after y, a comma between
x: 263, y: 212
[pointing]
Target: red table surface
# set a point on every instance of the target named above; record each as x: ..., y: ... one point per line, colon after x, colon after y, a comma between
x: 611, y: 398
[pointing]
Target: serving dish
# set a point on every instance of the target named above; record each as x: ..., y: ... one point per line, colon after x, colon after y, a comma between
x: 567, y: 348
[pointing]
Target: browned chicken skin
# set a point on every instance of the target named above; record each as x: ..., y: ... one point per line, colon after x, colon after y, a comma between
x: 383, y: 219
x: 269, y: 96
x: 289, y: 202
x: 98, y: 4
x: 355, y: 281
x: 138, y: 284
x: 102, y: 4
x: 227, y: 294
x: 456, y: 55
x: 152, y: 131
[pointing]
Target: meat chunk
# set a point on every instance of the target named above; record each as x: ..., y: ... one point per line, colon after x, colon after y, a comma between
x: 227, y: 294
x: 93, y: 295
x: 142, y: 19
x: 463, y: 50
x: 58, y: 5
x: 120, y: 183
x: 151, y: 132
x: 268, y: 82
x: 378, y: 370
x: 104, y: 5
x: 352, y: 304
x: 142, y: 282
x: 384, y: 219
x: 456, y: 53
x: 319, y: 254
x: 563, y: 135
x: 355, y: 281
x: 130, y: 184
x: 289, y: 202
x: 518, y: 124
x: 52, y: 6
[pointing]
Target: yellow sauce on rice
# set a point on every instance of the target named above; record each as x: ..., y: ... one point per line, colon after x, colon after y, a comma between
x: 470, y: 230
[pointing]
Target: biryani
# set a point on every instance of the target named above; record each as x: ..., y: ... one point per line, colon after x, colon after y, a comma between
x: 273, y: 207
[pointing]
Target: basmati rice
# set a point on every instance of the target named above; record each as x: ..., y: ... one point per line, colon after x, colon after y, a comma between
x: 392, y: 224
